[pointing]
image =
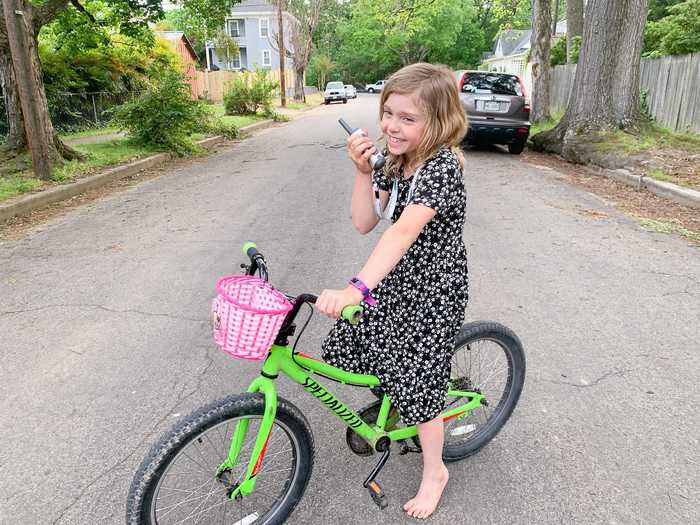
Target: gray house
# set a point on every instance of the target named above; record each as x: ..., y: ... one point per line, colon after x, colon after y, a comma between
x: 253, y: 24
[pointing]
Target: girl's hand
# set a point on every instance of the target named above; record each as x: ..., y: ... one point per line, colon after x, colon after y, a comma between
x: 360, y: 148
x: 332, y: 302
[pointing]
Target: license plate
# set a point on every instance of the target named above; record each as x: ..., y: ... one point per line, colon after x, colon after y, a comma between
x: 492, y: 106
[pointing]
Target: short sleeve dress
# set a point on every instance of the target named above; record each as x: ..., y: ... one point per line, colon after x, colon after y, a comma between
x: 407, y: 339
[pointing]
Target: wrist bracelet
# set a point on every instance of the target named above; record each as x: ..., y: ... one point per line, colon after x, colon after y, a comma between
x: 366, y: 294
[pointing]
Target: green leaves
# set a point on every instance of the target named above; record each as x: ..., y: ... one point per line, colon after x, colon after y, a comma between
x: 675, y: 34
x: 165, y: 115
x: 379, y: 36
x: 250, y: 92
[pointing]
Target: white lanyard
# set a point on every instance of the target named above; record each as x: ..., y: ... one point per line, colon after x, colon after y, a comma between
x: 388, y: 212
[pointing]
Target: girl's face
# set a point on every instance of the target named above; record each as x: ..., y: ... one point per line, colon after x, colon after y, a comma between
x: 403, y: 123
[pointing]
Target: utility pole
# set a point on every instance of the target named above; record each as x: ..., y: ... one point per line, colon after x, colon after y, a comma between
x: 18, y: 28
x: 283, y: 53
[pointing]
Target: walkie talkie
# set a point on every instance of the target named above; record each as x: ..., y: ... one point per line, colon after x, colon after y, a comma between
x: 376, y: 160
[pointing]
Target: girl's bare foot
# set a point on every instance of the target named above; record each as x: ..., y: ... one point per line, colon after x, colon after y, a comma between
x: 429, y: 493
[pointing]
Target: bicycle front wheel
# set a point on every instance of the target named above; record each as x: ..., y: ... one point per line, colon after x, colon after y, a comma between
x: 177, y: 481
x: 488, y: 358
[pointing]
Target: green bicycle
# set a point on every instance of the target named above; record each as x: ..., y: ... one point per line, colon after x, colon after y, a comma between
x: 248, y: 458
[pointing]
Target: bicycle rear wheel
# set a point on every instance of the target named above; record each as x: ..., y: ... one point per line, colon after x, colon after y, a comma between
x: 177, y: 481
x: 488, y: 358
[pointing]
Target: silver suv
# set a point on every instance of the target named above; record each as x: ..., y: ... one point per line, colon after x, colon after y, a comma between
x: 335, y: 91
x: 497, y: 108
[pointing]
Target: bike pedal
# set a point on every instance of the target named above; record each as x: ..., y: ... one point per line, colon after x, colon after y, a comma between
x: 378, y: 495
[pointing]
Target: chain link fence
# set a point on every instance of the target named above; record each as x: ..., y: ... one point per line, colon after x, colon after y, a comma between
x: 76, y: 111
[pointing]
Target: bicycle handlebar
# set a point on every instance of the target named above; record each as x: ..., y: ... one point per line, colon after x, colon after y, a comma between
x: 351, y: 313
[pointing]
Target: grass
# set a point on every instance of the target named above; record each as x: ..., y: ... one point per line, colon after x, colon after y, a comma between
x: 93, y: 132
x: 547, y: 124
x: 101, y: 155
x: 669, y: 227
x: 660, y: 174
x: 238, y: 120
x: 17, y: 184
x: 312, y: 99
x: 649, y: 136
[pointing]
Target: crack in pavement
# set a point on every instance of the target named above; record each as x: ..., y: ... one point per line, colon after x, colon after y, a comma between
x: 616, y: 372
x: 181, y: 397
x: 101, y: 307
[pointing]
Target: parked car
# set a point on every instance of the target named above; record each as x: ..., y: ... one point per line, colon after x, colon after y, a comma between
x: 497, y: 108
x: 350, y: 91
x: 335, y: 91
x: 376, y: 87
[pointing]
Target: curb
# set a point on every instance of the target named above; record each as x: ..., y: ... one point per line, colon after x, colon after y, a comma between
x: 25, y: 205
x: 685, y: 196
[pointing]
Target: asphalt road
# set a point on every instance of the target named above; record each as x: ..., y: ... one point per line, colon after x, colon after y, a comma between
x: 105, y: 338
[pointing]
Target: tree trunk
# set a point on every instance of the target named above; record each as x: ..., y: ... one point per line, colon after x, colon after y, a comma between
x: 20, y: 35
x: 540, y: 44
x: 555, y: 18
x: 282, y: 53
x: 605, y: 95
x: 26, y: 49
x: 16, y: 138
x: 299, y: 95
x: 574, y: 24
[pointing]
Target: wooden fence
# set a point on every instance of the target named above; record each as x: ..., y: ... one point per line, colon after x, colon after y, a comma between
x: 672, y: 85
x: 211, y: 84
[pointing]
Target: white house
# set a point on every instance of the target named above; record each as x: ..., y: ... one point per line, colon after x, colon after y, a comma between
x: 511, y: 50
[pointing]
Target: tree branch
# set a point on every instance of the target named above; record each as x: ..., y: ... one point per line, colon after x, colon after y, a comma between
x: 46, y: 12
x: 80, y: 8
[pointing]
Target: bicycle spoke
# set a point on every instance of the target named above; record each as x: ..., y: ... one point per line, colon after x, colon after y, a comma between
x: 191, y: 499
x: 205, y: 500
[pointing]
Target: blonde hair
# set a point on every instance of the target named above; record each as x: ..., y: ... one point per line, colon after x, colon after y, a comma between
x: 434, y: 89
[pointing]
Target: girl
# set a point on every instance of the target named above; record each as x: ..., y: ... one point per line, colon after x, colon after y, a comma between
x: 417, y: 273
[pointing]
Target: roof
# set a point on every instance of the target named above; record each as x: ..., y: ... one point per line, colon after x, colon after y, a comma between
x: 173, y: 37
x: 257, y: 7
x: 254, y: 5
x: 516, y: 41
x: 513, y: 41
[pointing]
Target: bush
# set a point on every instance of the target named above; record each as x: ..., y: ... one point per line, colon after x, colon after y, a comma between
x: 676, y: 34
x: 165, y: 115
x: 558, y: 52
x: 237, y: 99
x: 248, y: 93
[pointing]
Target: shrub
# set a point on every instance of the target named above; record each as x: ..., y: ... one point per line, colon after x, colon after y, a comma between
x: 262, y: 90
x: 558, y: 52
x: 165, y: 115
x: 248, y: 93
x: 237, y: 98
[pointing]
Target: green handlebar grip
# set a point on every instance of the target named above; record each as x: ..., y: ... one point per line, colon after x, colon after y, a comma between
x: 247, y: 246
x: 352, y: 314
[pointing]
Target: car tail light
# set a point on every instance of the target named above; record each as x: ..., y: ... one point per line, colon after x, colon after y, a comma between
x: 462, y: 82
x: 522, y: 131
x: 526, y: 108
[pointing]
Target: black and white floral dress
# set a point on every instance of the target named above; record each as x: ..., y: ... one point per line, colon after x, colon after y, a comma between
x: 407, y: 339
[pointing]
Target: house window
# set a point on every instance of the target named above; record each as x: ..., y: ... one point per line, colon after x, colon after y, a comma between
x: 234, y: 28
x: 266, y: 58
x: 264, y: 27
x: 235, y: 62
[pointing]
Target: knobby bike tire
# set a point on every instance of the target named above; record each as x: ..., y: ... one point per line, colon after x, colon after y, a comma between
x: 140, y: 501
x: 508, y: 342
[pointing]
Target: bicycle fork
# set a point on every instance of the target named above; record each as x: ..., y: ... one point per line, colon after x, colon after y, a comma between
x: 247, y: 484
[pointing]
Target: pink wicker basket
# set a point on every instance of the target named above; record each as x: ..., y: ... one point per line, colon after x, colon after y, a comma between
x: 247, y: 313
